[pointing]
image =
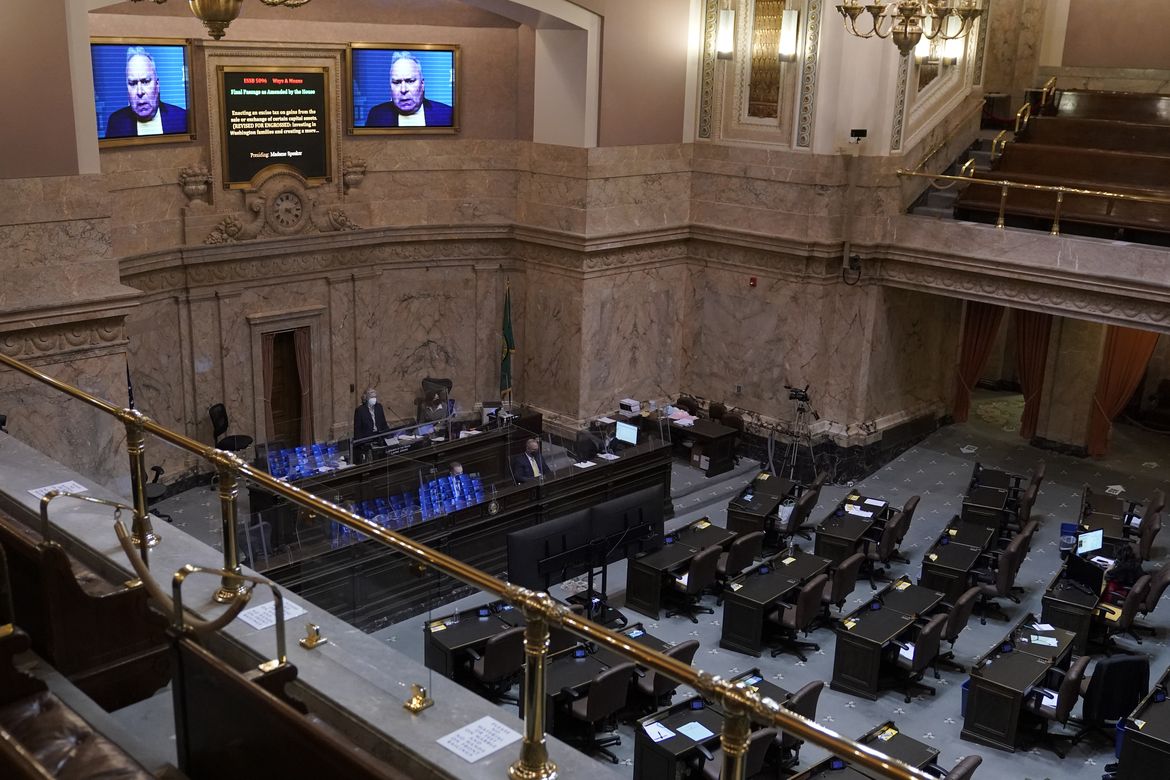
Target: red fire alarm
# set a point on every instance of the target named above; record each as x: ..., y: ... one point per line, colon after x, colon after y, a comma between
x: 751, y: 281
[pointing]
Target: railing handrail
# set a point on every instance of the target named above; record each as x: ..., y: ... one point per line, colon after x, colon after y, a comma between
x: 739, y: 702
x: 1039, y: 187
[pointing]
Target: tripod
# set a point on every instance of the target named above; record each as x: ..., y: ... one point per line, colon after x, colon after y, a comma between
x: 801, y: 437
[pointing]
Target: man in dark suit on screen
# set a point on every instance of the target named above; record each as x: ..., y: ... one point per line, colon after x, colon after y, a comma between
x: 408, y: 106
x: 146, y: 114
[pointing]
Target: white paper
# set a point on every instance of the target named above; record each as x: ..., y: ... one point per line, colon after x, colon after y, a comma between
x: 64, y: 487
x: 907, y: 652
x: 481, y: 738
x: 874, y: 502
x: 606, y: 420
x: 264, y: 616
x: 584, y: 464
x: 696, y: 731
x: 683, y: 579
x: 1042, y: 626
x: 857, y: 511
x: 1046, y: 641
x: 607, y: 456
x: 657, y: 732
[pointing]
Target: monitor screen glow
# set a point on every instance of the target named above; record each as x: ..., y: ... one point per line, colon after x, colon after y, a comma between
x: 404, y: 88
x: 141, y: 90
x: 1090, y: 541
x: 627, y: 433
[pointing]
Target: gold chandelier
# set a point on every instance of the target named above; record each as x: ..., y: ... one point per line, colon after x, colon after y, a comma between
x: 216, y: 15
x: 907, y: 22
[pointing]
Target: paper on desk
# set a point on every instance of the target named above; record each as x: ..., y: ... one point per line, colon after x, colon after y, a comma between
x: 735, y: 585
x: 874, y: 502
x: 701, y: 524
x: 606, y: 420
x: 788, y: 560
x: 584, y: 464
x: 657, y: 732
x: 607, y: 456
x: 696, y: 731
x: 901, y: 585
x: 1042, y: 626
x: 888, y: 733
x: 481, y: 738
x: 1047, y: 641
x: 264, y: 616
x: 857, y: 511
x: 62, y: 487
x: 907, y: 652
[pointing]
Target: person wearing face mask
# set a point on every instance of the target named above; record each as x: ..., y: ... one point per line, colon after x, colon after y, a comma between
x: 460, y: 485
x: 369, y: 420
x: 528, y: 465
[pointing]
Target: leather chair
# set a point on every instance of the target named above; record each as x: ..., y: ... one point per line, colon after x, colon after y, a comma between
x: 796, y: 524
x: 1111, y: 692
x: 815, y: 488
x: 498, y: 668
x: 965, y: 768
x: 606, y: 695
x: 803, y: 703
x: 997, y: 582
x: 958, y: 617
x: 1150, y: 527
x: 689, y: 588
x: 1056, y: 705
x: 653, y: 690
x: 689, y: 404
x: 742, y: 553
x: 1121, y: 621
x: 840, y: 586
x: 155, y: 491
x: 1023, y: 508
x: 1158, y: 582
x: 908, y: 510
x: 716, y: 410
x: 878, y: 552
x: 925, y: 650
x: 754, y: 760
x: 800, y: 616
x: 219, y: 426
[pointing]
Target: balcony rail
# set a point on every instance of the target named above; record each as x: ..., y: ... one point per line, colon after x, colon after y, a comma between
x: 741, y: 705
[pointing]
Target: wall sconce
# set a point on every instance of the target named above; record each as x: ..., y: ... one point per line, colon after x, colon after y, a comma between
x: 725, y: 34
x: 789, y: 27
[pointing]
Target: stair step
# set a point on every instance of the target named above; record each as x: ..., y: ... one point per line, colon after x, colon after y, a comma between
x: 928, y: 211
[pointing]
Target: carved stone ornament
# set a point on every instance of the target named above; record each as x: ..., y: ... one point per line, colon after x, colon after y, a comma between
x: 353, y: 170
x: 284, y: 205
x: 195, y: 181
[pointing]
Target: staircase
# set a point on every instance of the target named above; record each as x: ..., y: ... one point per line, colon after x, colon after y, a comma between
x: 941, y: 203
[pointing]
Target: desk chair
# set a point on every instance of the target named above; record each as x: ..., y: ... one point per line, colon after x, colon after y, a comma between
x: 907, y: 512
x: 840, y: 586
x: 1150, y: 527
x: 803, y: 703
x: 689, y: 404
x: 801, y: 616
x: 155, y: 491
x: 997, y: 582
x: 1026, y: 535
x: 757, y: 755
x: 689, y: 588
x: 1057, y: 705
x: 607, y: 694
x: 797, y: 519
x: 958, y: 616
x: 742, y: 553
x: 500, y: 665
x: 1110, y: 693
x: 1158, y: 582
x: 1023, y: 508
x: 716, y: 410
x: 653, y: 690
x: 219, y: 425
x: 924, y: 654
x: 1121, y: 621
x: 964, y: 769
x: 878, y: 552
x: 815, y: 488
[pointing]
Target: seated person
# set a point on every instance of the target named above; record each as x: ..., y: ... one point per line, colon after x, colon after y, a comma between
x: 435, y: 409
x: 461, y: 489
x: 1121, y: 576
x: 528, y: 465
x: 607, y: 440
x: 369, y: 419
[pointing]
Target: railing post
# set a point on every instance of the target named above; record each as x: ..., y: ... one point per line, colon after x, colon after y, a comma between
x: 230, y: 587
x: 1056, y: 214
x: 999, y: 223
x: 534, y: 763
x: 141, y: 532
x: 737, y: 729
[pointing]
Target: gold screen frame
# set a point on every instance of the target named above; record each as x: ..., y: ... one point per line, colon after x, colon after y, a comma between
x: 457, y: 102
x: 174, y: 138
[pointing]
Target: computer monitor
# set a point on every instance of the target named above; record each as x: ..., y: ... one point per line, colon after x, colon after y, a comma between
x: 1086, y: 573
x: 426, y: 430
x: 1090, y: 541
x: 627, y: 433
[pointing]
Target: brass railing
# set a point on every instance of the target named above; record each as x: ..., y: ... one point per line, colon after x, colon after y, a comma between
x: 740, y: 705
x: 1060, y: 191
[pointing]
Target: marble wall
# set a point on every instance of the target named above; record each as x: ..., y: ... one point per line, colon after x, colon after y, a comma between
x: 1013, y: 46
x: 1070, y: 379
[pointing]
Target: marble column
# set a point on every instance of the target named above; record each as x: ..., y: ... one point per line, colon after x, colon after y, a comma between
x: 1070, y: 378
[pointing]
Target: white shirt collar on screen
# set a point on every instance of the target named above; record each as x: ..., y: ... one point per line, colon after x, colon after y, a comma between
x: 154, y: 126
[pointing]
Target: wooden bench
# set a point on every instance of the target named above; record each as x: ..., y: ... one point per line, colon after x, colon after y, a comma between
x: 1085, y: 168
x: 1141, y: 107
x: 1101, y: 134
x: 100, y: 635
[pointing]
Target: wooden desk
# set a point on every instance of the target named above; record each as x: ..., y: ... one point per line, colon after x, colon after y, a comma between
x: 671, y: 757
x: 1145, y: 748
x: 757, y: 505
x: 840, y: 535
x: 947, y: 567
x: 973, y: 534
x: 754, y: 680
x: 1112, y: 525
x: 1068, y: 607
x: 995, y: 697
x: 861, y: 640
x: 445, y: 643
x: 637, y: 632
x: 985, y: 505
x: 750, y: 597
x: 711, y: 440
x: 646, y: 574
x: 995, y: 478
x: 885, y: 738
x: 909, y: 599
x: 564, y: 671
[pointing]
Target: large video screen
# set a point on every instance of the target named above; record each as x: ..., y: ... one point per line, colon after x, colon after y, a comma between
x: 141, y: 90
x: 274, y: 116
x: 404, y: 88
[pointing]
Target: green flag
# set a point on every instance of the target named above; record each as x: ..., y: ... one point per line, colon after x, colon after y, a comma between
x: 509, y: 347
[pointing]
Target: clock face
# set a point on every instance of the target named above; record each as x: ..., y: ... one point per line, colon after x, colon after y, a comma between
x: 286, y: 212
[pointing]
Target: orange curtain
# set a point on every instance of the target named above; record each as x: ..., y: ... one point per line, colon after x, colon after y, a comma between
x: 1127, y: 353
x: 979, y: 328
x: 267, y: 341
x: 1033, y: 329
x: 303, y: 345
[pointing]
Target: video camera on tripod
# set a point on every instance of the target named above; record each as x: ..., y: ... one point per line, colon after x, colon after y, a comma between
x: 800, y: 432
x: 800, y: 396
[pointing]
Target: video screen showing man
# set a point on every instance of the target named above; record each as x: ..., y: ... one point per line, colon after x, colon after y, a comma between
x: 408, y: 105
x: 528, y: 465
x: 146, y: 114
x: 369, y: 420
